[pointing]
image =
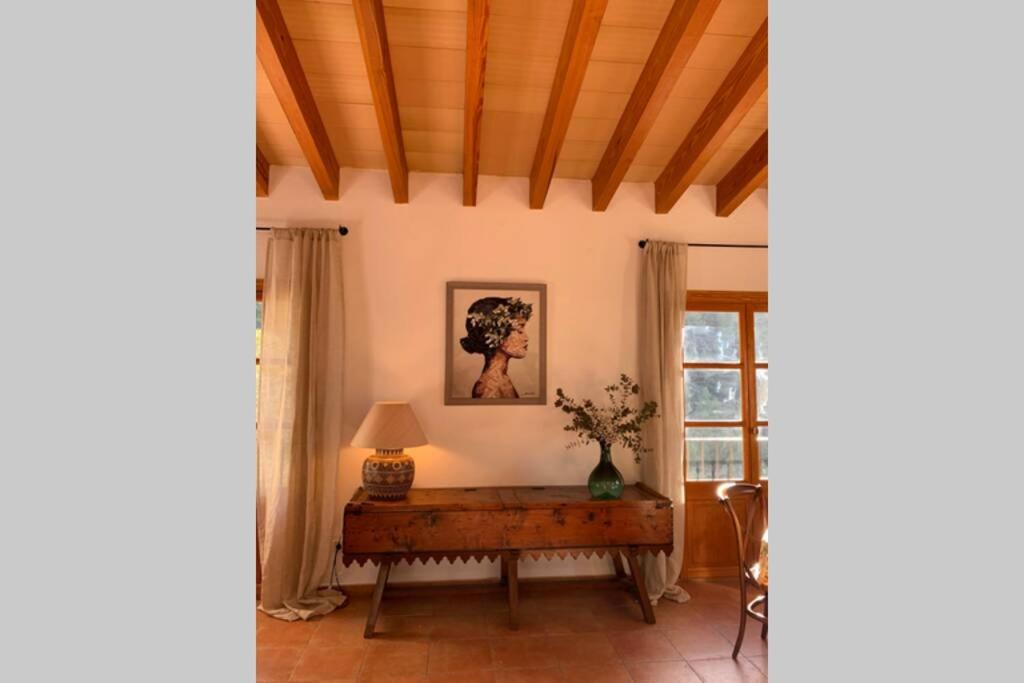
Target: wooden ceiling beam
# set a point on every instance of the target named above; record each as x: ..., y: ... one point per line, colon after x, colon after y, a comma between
x: 747, y: 175
x: 685, y: 24
x: 578, y: 44
x: 262, y: 174
x: 744, y: 84
x: 280, y: 61
x: 373, y: 36
x: 476, y: 62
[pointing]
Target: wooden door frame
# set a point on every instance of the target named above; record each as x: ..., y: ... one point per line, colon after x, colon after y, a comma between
x: 700, y: 493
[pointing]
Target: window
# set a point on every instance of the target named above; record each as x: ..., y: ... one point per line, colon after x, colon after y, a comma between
x: 259, y: 339
x: 725, y: 383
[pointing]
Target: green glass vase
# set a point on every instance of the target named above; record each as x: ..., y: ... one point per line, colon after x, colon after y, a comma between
x: 605, y: 482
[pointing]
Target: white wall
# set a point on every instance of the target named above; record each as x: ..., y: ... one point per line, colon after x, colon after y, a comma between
x: 397, y: 260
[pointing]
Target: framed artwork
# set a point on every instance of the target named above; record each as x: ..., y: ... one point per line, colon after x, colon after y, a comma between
x: 496, y: 344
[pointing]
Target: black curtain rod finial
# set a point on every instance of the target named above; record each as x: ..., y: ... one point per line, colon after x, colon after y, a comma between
x: 642, y: 243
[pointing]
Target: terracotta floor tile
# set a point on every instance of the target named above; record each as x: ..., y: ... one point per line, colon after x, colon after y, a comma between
x: 394, y: 657
x: 494, y: 602
x: 752, y: 646
x: 418, y: 627
x: 523, y: 651
x: 470, y: 604
x: 550, y: 674
x: 531, y: 623
x: 325, y: 663
x: 727, y: 671
x: 662, y: 672
x: 667, y: 606
x: 580, y: 649
x: 463, y: 677
x: 613, y: 597
x: 355, y: 606
x: 400, y: 607
x: 709, y: 589
x: 627, y: 618
x: 384, y: 647
x: 338, y: 630
x: 613, y: 672
x: 727, y: 626
x: 262, y: 618
x: 459, y: 626
x: 390, y: 678
x: 582, y: 635
x: 719, y: 610
x: 276, y: 663
x: 699, y: 641
x: 459, y: 655
x: 671, y: 618
x: 761, y: 662
x: 643, y: 646
x: 573, y: 621
x: 277, y: 632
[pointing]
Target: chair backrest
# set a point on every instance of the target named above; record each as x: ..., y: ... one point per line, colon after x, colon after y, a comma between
x: 728, y: 495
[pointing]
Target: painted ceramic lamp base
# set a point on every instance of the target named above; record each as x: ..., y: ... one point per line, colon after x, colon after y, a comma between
x: 387, y: 475
x: 605, y: 482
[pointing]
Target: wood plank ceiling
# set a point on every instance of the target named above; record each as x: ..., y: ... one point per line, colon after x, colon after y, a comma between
x: 418, y: 61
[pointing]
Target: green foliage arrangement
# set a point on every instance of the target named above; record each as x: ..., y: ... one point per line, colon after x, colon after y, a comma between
x: 618, y: 423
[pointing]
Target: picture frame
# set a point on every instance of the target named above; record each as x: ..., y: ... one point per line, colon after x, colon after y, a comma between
x: 495, y: 343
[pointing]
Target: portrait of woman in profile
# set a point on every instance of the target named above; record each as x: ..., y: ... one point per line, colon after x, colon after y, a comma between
x: 495, y: 328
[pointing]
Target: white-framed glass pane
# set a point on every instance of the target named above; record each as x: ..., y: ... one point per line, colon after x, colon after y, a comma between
x: 714, y: 453
x: 762, y: 393
x: 762, y: 449
x: 711, y: 337
x: 712, y: 395
x: 761, y: 337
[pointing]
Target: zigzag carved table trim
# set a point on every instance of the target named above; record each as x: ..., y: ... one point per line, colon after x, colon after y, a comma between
x: 506, y: 523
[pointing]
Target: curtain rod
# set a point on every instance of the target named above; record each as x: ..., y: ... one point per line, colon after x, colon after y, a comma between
x: 341, y: 228
x: 643, y: 243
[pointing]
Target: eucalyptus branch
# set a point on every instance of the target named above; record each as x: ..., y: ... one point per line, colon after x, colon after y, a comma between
x: 619, y: 423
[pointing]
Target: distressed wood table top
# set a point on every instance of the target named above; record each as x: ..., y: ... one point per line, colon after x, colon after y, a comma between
x: 481, y: 522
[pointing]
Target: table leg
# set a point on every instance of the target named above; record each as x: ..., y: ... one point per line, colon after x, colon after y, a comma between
x: 620, y: 571
x: 512, y: 565
x: 641, y: 588
x: 378, y: 593
x: 504, y: 571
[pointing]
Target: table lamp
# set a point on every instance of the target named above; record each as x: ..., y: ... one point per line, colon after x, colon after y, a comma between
x: 389, y: 427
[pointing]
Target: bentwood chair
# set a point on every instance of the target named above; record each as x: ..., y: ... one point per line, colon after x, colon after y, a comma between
x: 729, y: 494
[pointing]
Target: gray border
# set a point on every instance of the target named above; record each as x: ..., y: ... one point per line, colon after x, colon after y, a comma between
x: 895, y: 278
x: 128, y: 384
x: 542, y: 397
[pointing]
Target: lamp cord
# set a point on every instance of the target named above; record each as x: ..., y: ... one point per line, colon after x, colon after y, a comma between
x: 334, y: 569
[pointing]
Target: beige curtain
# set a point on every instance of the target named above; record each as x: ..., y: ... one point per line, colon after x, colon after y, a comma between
x: 662, y: 302
x: 299, y: 427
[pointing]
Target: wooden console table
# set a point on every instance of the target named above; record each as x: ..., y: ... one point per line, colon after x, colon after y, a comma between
x: 506, y: 523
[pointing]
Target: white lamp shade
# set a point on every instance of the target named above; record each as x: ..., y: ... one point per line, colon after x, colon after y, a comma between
x: 390, y: 425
